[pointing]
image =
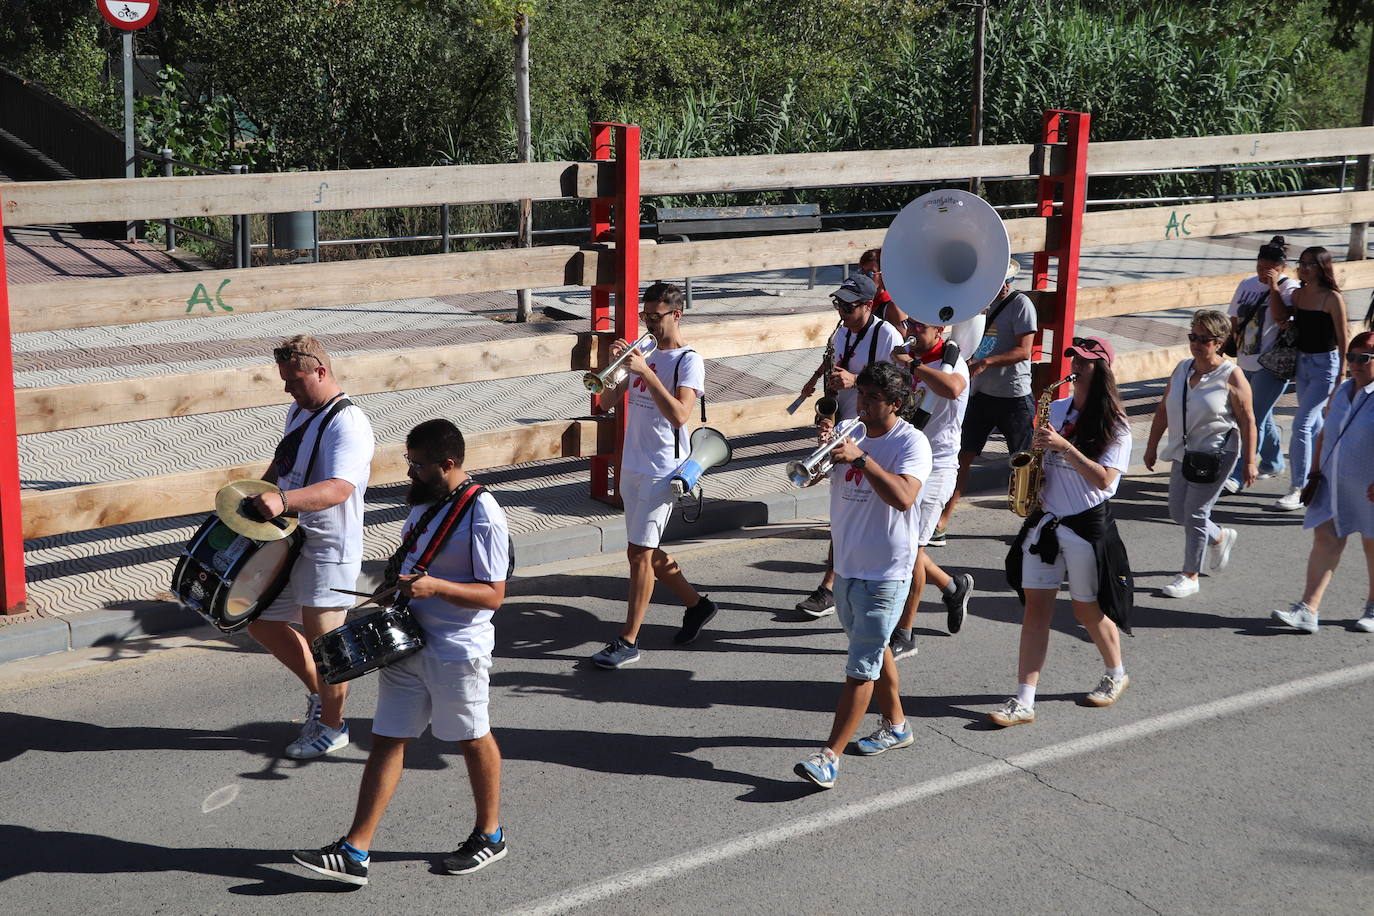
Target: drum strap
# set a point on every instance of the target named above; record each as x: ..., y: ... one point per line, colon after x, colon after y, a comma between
x: 458, y: 502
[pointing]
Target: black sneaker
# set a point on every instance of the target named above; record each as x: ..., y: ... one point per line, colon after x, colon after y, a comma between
x: 693, y: 619
x: 938, y: 538
x: 333, y: 862
x: 818, y: 603
x: 957, y: 604
x: 475, y: 854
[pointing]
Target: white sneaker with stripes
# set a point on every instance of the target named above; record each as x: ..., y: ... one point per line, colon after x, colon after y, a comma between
x: 316, y: 740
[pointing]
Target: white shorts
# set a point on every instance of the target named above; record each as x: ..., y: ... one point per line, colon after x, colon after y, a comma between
x: 311, y: 585
x: 1076, y: 559
x: 424, y: 689
x: 930, y: 502
x: 648, y: 503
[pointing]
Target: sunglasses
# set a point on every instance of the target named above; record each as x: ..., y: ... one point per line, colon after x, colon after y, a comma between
x: 845, y: 307
x: 1088, y: 344
x: 1202, y: 338
x: 1359, y: 359
x: 654, y: 316
x: 286, y: 354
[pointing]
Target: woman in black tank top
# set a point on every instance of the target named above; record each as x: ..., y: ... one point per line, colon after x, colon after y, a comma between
x: 1318, y: 314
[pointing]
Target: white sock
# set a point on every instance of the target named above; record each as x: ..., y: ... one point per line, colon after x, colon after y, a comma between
x: 1025, y: 694
x: 1118, y: 671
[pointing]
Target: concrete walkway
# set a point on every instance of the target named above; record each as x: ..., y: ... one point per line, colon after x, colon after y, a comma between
x: 99, y: 586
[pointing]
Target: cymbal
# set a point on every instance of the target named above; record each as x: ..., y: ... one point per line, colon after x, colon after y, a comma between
x: 229, y: 508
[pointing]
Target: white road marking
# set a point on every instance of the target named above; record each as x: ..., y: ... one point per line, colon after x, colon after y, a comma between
x: 617, y: 885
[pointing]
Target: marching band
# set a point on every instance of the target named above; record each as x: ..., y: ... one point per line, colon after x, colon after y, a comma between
x: 893, y: 443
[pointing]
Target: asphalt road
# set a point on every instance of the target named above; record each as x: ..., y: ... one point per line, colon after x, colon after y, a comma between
x: 1233, y: 777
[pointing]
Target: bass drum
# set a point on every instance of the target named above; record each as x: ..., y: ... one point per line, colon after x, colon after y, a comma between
x: 229, y: 579
x: 366, y: 644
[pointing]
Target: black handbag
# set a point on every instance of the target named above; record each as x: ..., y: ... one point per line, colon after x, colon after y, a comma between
x: 1282, y: 358
x: 1202, y: 467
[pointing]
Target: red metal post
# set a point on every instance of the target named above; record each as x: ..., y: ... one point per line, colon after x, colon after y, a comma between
x: 1063, y: 195
x: 615, y: 222
x: 12, y: 595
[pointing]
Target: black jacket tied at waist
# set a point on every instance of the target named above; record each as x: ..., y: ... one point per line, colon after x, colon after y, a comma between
x: 1115, y: 584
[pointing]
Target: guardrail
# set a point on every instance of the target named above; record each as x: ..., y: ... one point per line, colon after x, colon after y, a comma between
x: 601, y: 265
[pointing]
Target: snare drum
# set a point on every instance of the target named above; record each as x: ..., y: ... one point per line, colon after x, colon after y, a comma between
x: 229, y: 579
x: 366, y: 644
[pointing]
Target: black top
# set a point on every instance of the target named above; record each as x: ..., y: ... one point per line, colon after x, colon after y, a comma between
x: 1316, y: 331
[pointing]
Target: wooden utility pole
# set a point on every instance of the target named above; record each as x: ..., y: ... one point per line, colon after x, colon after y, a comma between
x: 1358, y: 231
x: 525, y: 143
x: 979, y: 35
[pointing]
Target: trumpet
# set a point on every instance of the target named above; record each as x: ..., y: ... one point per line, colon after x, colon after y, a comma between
x: 615, y: 373
x: 819, y: 462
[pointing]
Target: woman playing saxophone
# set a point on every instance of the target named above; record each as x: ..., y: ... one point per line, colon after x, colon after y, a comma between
x: 1085, y: 447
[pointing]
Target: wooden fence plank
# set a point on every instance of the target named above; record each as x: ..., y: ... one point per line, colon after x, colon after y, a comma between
x: 30, y: 203
x: 163, y: 297
x: 824, y: 170
x: 1132, y: 155
x: 1123, y: 227
x: 82, y: 508
x: 1191, y: 292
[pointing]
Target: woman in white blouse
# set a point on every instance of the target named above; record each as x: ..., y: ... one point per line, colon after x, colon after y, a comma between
x: 1207, y: 409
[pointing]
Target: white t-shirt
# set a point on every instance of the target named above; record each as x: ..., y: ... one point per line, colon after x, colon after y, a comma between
x: 889, y: 339
x: 1065, y: 491
x: 944, y: 428
x: 478, y: 550
x: 872, y: 539
x: 335, y: 535
x: 648, y: 434
x: 1262, y: 330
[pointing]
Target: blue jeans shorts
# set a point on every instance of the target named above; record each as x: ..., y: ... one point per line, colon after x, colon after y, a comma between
x: 868, y: 610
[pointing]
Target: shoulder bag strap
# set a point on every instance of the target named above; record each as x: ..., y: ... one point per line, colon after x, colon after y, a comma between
x: 339, y: 405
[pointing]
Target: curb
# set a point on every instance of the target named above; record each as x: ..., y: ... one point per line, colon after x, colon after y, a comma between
x: 137, y: 619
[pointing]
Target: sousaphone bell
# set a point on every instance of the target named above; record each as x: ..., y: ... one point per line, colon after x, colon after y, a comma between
x: 945, y: 257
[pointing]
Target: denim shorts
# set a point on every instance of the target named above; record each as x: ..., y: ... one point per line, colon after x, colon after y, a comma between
x: 868, y: 610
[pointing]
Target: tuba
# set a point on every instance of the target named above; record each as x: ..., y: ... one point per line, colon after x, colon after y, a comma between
x: 945, y: 256
x: 1027, y: 468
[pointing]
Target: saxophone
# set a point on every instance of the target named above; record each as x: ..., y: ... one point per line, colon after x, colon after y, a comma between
x: 1027, y: 468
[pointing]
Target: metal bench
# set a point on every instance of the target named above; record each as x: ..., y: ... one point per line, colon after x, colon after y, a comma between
x: 683, y: 224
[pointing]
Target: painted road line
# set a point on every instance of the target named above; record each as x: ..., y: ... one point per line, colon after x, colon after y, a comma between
x: 617, y: 885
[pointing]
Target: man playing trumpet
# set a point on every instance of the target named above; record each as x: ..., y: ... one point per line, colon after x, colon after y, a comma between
x: 877, y: 477
x: 663, y: 391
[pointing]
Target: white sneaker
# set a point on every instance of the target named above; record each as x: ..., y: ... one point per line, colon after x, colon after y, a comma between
x: 1181, y: 587
x: 1299, y: 617
x: 1231, y: 486
x: 1219, y: 554
x: 1288, y: 502
x: 1366, y: 623
x: 316, y: 740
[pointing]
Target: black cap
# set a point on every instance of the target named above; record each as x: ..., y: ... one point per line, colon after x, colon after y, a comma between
x: 858, y: 288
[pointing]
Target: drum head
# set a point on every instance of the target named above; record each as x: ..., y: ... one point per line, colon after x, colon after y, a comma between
x: 263, y: 573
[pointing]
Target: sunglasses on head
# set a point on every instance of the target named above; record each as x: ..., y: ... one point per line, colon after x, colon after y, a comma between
x: 286, y: 354
x: 1359, y: 359
x: 1202, y: 338
x: 1092, y: 348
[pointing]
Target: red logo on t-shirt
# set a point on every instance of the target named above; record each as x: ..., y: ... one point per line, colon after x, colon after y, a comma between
x: 854, y: 475
x: 639, y: 383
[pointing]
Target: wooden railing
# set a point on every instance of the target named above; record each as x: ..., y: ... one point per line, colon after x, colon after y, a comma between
x: 212, y: 294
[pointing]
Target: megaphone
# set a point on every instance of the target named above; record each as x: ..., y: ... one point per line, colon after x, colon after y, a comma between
x: 945, y: 257
x: 710, y: 449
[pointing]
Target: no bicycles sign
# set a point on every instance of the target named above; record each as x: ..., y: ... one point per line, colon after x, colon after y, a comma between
x: 129, y: 15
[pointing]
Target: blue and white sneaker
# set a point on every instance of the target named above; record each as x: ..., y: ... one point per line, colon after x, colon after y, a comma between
x: 316, y: 740
x: 886, y: 738
x: 333, y: 861
x: 617, y: 654
x: 822, y: 768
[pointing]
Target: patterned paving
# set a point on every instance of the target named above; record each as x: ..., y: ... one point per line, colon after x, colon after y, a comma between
x: 41, y: 255
x: 114, y: 566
